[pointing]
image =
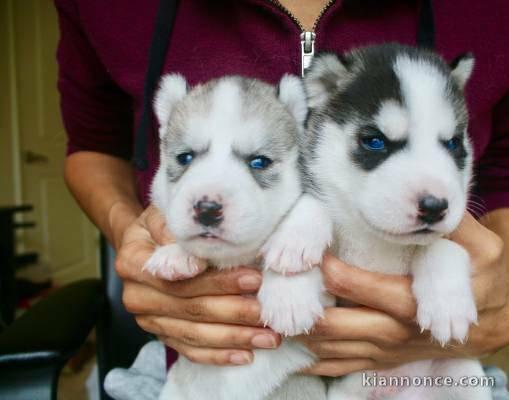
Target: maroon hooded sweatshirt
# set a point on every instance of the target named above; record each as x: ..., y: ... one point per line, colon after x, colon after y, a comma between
x: 104, y: 44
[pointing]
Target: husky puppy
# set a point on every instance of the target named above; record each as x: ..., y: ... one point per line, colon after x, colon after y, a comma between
x: 388, y: 155
x: 228, y: 175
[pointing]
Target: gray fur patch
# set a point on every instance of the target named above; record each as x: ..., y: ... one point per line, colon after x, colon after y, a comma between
x: 257, y: 100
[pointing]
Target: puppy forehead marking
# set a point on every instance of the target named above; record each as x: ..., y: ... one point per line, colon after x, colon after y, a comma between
x: 425, y: 94
x: 226, y: 98
x: 233, y: 114
x: 392, y: 120
x: 213, y: 112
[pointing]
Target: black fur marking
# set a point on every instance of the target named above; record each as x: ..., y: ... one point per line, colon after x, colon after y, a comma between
x: 460, y: 154
x: 278, y: 89
x: 374, y: 79
x: 306, y: 120
x: 368, y: 160
x: 371, y: 87
x: 455, y: 62
x: 345, y: 60
x: 373, y: 83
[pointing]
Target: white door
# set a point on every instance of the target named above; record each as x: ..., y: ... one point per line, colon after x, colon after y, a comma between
x: 66, y: 241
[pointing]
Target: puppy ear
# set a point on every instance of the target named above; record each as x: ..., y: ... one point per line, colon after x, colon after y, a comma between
x: 172, y: 88
x: 328, y: 71
x: 461, y: 69
x: 290, y: 92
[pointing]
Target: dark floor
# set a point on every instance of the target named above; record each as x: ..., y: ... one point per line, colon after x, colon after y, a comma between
x: 73, y: 385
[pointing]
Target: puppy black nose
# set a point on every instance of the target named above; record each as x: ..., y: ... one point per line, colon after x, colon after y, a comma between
x: 208, y: 213
x: 432, y: 209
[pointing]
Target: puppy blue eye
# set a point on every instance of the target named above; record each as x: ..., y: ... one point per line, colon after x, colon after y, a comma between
x: 259, y: 162
x: 185, y: 158
x: 373, y: 143
x: 452, y: 144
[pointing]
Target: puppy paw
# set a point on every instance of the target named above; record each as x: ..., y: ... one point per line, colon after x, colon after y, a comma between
x: 291, y: 318
x: 291, y: 305
x: 447, y: 316
x: 291, y: 253
x: 442, y: 289
x: 172, y: 263
x: 300, y: 241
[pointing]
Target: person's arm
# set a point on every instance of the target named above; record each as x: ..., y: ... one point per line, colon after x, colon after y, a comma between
x: 105, y: 188
x: 97, y: 116
x: 382, y: 333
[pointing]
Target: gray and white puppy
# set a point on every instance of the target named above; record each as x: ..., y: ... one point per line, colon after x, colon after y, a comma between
x: 388, y: 155
x: 227, y: 177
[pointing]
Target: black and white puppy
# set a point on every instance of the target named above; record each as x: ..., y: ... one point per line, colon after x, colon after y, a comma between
x: 227, y: 177
x: 388, y: 155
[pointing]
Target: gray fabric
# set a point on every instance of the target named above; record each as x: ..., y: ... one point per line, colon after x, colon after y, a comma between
x: 500, y: 390
x: 144, y: 380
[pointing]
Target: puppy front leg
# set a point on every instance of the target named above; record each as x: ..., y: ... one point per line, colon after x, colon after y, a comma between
x: 173, y: 263
x: 292, y: 304
x: 300, y: 240
x: 442, y: 288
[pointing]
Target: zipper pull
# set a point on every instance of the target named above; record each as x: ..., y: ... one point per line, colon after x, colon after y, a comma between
x: 307, y: 45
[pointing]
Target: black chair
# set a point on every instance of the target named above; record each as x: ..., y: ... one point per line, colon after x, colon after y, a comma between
x: 10, y: 260
x: 35, y: 347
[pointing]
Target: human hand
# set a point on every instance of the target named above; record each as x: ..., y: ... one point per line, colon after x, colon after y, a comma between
x: 382, y: 333
x: 203, y: 318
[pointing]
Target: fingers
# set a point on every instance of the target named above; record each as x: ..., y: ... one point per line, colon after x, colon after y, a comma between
x: 484, y: 246
x: 489, y: 276
x: 213, y: 282
x: 463, y: 233
x: 490, y: 290
x: 210, y: 283
x: 341, y: 323
x: 155, y: 223
x: 497, y: 221
x: 210, y: 356
x: 238, y: 310
x: 341, y: 367
x: 344, y: 349
x: 388, y: 293
x: 356, y: 349
x: 489, y: 336
x: 132, y: 257
x: 209, y: 335
x: 138, y: 248
x: 361, y: 333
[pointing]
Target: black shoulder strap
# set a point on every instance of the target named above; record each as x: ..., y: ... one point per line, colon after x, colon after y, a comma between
x: 157, y: 54
x: 426, y: 28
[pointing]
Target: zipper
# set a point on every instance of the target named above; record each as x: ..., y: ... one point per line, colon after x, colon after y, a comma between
x: 307, y: 38
x: 307, y: 50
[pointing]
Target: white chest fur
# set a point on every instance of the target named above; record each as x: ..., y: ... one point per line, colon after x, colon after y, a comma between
x: 363, y: 250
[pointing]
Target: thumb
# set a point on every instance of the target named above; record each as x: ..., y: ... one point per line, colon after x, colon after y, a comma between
x: 389, y: 293
x: 156, y: 225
